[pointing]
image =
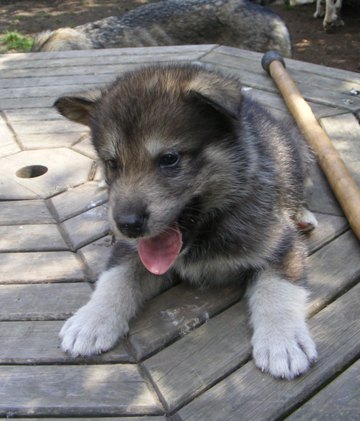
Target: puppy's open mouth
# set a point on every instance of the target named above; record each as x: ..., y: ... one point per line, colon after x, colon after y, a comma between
x: 159, y: 253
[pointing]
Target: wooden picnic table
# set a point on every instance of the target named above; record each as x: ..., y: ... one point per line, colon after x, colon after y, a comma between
x: 188, y: 355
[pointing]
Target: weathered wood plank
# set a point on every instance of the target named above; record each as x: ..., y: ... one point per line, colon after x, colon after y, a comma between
x: 333, y: 269
x: 293, y: 64
x: 88, y: 226
x: 37, y: 342
x: 251, y: 395
x: 320, y: 89
x: 55, y: 179
x: 194, y: 363
x: 330, y: 226
x: 86, y: 147
x: 89, y: 390
x: 185, y: 368
x: 44, y: 237
x: 37, y: 267
x: 25, y: 212
x: 78, y: 200
x: 49, y: 140
x: 32, y: 114
x: 141, y: 418
x: 198, y: 49
x: 337, y: 401
x: 274, y: 100
x: 65, y: 73
x: 8, y: 144
x: 344, y: 131
x: 319, y: 196
x: 96, y: 255
x: 89, y: 60
x: 60, y: 80
x: 175, y: 313
x: 37, y: 126
x: 42, y: 302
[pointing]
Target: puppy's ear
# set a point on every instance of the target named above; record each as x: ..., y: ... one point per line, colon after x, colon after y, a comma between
x: 224, y: 95
x: 78, y: 107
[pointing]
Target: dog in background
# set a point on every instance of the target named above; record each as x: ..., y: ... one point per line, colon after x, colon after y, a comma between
x: 236, y: 23
x: 331, y: 13
x: 206, y: 186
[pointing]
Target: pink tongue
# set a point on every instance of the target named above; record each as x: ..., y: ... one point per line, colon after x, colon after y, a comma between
x: 159, y: 253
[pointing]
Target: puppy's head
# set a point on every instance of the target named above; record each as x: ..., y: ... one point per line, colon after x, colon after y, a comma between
x: 165, y: 135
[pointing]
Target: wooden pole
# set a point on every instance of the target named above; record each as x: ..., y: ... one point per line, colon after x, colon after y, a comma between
x: 343, y: 185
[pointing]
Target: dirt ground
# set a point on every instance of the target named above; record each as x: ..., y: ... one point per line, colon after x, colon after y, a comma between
x: 340, y: 48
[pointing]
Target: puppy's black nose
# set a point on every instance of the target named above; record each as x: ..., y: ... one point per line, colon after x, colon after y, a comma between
x: 132, y: 225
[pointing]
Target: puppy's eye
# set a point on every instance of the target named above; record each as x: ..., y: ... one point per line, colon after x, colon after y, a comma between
x: 112, y: 164
x: 169, y: 160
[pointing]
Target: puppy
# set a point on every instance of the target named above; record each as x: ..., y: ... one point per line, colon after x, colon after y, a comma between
x: 203, y: 184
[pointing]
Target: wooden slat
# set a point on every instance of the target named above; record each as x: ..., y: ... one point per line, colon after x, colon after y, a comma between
x: 330, y: 226
x: 49, y: 140
x: 96, y: 255
x: 37, y: 342
x: 294, y: 64
x: 37, y: 126
x: 251, y: 395
x: 337, y: 401
x: 320, y: 89
x: 274, y: 100
x: 25, y: 212
x: 333, y: 269
x: 175, y: 313
x: 89, y: 390
x: 88, y: 226
x: 89, y: 59
x: 140, y: 418
x: 8, y: 144
x: 191, y: 365
x: 42, y: 302
x: 37, y: 267
x: 344, y: 132
x: 31, y: 238
x: 65, y: 74
x: 122, y: 53
x: 319, y: 196
x: 78, y: 200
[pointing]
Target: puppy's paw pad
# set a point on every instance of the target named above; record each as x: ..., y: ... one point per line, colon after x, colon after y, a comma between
x: 285, y: 358
x: 88, y: 333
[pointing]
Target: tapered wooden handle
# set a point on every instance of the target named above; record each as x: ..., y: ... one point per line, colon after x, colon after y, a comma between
x: 343, y: 185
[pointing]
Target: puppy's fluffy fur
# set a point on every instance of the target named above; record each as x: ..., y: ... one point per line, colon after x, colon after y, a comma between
x: 204, y: 182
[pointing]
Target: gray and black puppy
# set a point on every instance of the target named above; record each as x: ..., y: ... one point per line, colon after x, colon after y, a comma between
x: 203, y: 185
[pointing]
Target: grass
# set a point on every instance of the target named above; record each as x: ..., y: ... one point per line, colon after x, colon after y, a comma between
x: 14, y: 41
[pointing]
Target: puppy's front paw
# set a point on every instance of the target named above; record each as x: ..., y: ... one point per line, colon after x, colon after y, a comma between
x: 286, y: 353
x: 92, y: 331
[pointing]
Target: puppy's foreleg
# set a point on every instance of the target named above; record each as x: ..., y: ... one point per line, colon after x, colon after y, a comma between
x: 281, y: 341
x: 97, y: 326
